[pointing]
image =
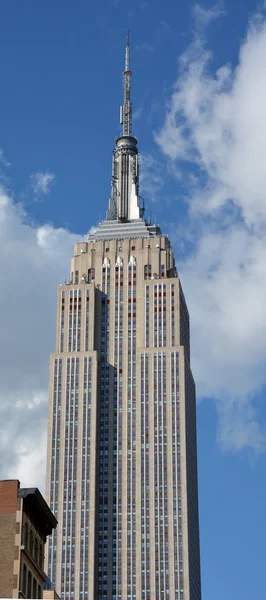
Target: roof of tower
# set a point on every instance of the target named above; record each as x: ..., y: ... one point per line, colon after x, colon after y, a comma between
x: 124, y: 218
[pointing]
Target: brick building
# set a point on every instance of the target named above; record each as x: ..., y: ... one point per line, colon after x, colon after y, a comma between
x: 25, y: 522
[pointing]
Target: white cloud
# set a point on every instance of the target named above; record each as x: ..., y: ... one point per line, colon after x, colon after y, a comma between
x: 215, y: 125
x: 202, y: 17
x: 41, y: 183
x: 33, y: 261
x: 137, y: 114
x: 151, y: 177
x: 145, y: 47
x: 3, y: 159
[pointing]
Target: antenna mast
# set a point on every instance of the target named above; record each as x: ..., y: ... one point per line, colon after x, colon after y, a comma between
x: 126, y: 109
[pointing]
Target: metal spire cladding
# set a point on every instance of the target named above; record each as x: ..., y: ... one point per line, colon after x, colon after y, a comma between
x: 126, y: 109
x: 124, y: 202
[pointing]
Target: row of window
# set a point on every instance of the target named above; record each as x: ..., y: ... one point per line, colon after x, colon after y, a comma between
x: 30, y: 587
x: 90, y: 276
x: 33, y: 545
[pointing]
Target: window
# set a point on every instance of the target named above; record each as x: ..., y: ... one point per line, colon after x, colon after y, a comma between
x: 34, y: 588
x: 24, y: 580
x: 26, y: 536
x: 29, y: 584
x: 31, y: 543
x: 147, y: 271
x: 91, y: 275
x: 36, y: 551
x: 41, y: 556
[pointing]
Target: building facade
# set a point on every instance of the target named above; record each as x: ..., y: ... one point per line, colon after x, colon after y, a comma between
x: 25, y: 523
x: 122, y: 455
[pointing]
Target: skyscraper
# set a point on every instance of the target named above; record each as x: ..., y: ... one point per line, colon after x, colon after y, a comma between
x: 122, y: 456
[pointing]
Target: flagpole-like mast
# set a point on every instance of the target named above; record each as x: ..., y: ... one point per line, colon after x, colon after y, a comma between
x: 126, y: 109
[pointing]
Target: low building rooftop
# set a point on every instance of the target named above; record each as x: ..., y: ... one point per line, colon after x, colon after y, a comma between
x: 35, y: 505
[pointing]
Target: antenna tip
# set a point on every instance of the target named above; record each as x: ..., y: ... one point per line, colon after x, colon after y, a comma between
x: 127, y: 42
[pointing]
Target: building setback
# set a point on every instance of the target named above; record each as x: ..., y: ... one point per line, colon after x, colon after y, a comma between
x: 25, y: 522
x: 122, y: 454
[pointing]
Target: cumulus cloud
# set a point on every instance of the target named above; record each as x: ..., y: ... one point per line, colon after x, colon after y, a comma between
x: 215, y: 125
x: 33, y: 261
x: 3, y: 160
x: 42, y: 182
x: 151, y: 177
x: 217, y: 121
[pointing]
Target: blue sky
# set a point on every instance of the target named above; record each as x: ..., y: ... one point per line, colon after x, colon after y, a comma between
x: 198, y: 90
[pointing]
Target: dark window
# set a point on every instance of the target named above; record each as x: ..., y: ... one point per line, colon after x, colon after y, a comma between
x: 36, y: 551
x: 147, y: 271
x: 31, y: 544
x: 24, y: 580
x: 26, y: 536
x: 29, y: 585
x: 41, y: 557
x: 91, y: 275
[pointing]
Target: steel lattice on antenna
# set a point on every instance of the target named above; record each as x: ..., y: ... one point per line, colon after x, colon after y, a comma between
x: 126, y: 109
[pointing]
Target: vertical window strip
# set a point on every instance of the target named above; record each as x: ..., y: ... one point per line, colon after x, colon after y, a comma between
x: 117, y: 457
x: 164, y: 315
x: 129, y: 440
x: 147, y: 475
x: 172, y: 314
x: 85, y: 488
x: 156, y: 475
x: 115, y: 532
x: 78, y: 324
x: 147, y: 316
x: 177, y: 506
x: 131, y: 430
x: 159, y: 311
x: 70, y: 477
x: 67, y: 492
x: 120, y: 432
x: 74, y: 320
x: 147, y: 271
x: 145, y: 492
x: 165, y: 481
x: 55, y: 463
x: 91, y: 274
x: 70, y: 321
x: 143, y: 442
x: 104, y: 436
x: 160, y: 477
x: 155, y: 317
x: 87, y: 313
x: 159, y: 316
x: 62, y: 321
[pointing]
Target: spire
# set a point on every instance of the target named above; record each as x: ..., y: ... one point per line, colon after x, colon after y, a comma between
x: 124, y: 203
x: 126, y: 109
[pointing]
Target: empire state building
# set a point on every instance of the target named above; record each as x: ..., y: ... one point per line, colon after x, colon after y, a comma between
x: 122, y: 453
